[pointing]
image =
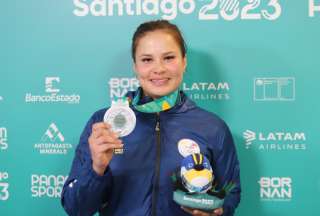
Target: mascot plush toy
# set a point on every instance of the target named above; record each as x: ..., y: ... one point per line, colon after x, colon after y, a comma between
x: 193, y: 185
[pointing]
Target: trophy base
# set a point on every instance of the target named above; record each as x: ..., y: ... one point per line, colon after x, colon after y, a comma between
x: 204, y: 202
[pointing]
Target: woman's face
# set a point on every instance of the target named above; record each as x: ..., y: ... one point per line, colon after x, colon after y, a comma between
x: 159, y: 64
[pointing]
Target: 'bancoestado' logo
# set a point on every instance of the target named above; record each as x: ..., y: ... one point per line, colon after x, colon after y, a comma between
x: 47, y: 185
x: 53, y: 142
x: 275, y: 188
x: 53, y: 94
x: 275, y: 141
x: 207, y: 90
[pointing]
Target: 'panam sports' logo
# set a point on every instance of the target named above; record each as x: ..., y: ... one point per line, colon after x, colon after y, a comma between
x: 118, y: 87
x: 275, y: 141
x: 3, y: 138
x: 275, y: 188
x: 47, y: 185
x: 52, y: 94
x: 207, y: 90
x: 53, y: 142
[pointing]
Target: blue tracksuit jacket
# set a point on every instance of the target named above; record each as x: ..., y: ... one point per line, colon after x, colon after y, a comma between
x: 137, y: 182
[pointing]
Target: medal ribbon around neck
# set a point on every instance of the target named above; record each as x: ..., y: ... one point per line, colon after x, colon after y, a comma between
x: 157, y: 105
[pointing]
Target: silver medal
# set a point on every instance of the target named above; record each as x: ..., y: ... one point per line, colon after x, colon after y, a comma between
x: 121, y: 117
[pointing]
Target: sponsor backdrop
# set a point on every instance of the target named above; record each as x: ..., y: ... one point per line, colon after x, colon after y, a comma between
x: 253, y: 62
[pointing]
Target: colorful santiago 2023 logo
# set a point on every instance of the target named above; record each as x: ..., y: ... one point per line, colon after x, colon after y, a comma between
x: 3, y: 138
x: 4, y: 186
x: 275, y: 188
x: 47, y: 185
x: 53, y: 142
x: 275, y: 141
x: 52, y: 94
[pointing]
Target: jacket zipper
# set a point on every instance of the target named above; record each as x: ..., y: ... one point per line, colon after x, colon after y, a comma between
x: 155, y: 189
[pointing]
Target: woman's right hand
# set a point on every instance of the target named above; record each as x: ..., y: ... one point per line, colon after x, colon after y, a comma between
x: 102, y: 141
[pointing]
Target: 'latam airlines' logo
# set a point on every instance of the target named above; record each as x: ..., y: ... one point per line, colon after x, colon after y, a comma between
x: 207, y: 90
x: 275, y: 188
x: 53, y: 142
x: 275, y: 141
x: 249, y: 137
x: 52, y: 94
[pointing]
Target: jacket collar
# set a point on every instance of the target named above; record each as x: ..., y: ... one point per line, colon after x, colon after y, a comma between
x: 184, y: 104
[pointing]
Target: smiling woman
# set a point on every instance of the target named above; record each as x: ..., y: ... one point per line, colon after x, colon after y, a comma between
x: 158, y: 52
x: 131, y: 175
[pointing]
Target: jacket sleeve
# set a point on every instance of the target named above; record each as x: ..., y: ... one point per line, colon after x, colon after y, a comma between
x: 85, y: 192
x: 228, y: 170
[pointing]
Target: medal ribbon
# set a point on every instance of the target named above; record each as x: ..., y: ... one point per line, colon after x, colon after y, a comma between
x: 157, y: 105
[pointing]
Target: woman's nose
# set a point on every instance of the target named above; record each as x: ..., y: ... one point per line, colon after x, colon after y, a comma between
x: 159, y: 67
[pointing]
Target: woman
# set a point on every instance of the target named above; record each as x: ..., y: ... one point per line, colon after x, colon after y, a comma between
x: 137, y: 182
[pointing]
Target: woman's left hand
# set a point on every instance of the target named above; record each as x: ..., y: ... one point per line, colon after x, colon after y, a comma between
x: 196, y: 212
